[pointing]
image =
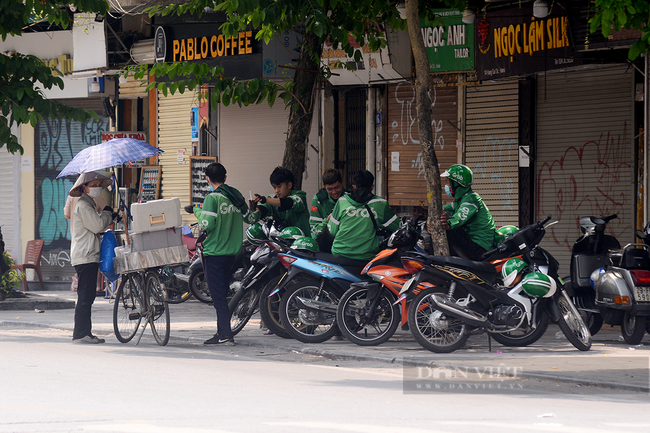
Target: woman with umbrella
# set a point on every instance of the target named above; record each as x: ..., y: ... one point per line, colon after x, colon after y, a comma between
x: 84, y: 251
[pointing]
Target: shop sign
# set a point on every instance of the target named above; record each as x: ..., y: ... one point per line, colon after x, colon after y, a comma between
x: 513, y: 42
x: 108, y: 135
x: 450, y: 45
x: 160, y: 44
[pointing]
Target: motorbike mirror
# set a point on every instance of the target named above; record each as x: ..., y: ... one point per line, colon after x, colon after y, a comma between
x: 189, y: 208
x: 640, y: 234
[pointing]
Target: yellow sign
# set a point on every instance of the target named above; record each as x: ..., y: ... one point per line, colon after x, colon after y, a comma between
x: 211, y: 46
x: 539, y: 35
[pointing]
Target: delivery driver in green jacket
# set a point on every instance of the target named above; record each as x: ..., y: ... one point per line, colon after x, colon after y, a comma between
x: 469, y: 223
x: 351, y: 224
x: 222, y: 217
x: 289, y: 206
x: 323, y: 202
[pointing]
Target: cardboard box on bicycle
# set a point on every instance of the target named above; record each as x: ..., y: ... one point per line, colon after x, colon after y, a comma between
x: 144, y: 241
x: 156, y: 215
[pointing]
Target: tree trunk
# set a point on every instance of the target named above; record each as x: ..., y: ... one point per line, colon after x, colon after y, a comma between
x: 423, y: 104
x: 300, y: 119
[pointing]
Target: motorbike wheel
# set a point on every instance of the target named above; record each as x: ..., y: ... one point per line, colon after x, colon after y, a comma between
x: 359, y: 329
x: 572, y: 325
x: 242, y: 307
x: 306, y: 325
x: 270, y: 308
x: 199, y: 286
x: 178, y: 296
x: 633, y: 328
x: 525, y: 335
x: 432, y: 328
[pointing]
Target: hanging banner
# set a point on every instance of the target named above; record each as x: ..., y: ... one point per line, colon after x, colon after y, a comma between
x: 513, y: 42
x: 450, y: 45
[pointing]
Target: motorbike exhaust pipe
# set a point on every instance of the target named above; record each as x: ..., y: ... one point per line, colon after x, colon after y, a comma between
x: 311, y: 304
x: 465, y: 314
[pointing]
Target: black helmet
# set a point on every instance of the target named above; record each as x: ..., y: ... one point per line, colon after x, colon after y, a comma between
x: 404, y: 237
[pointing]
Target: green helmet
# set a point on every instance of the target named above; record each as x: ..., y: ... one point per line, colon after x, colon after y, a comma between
x: 255, y: 234
x: 305, y: 243
x: 291, y: 233
x: 510, y: 270
x: 459, y: 173
x: 538, y: 285
x: 504, y: 232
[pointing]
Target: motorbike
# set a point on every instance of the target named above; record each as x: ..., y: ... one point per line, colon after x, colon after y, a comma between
x: 470, y: 297
x: 264, y: 271
x: 608, y: 283
x: 367, y: 313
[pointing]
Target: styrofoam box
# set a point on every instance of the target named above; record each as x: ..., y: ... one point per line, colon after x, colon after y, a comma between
x: 156, y: 215
x: 154, y: 240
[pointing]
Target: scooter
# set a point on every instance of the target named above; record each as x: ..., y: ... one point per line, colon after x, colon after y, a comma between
x: 617, y: 289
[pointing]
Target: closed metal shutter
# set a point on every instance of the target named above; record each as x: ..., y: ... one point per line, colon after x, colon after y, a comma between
x: 10, y: 199
x: 174, y: 133
x: 56, y: 142
x: 252, y: 140
x: 585, y: 153
x: 407, y: 186
x: 491, y: 147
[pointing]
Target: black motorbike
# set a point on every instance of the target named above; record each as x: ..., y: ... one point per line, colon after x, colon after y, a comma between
x: 469, y: 297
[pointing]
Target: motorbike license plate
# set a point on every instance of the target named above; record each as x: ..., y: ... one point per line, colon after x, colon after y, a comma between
x: 642, y: 294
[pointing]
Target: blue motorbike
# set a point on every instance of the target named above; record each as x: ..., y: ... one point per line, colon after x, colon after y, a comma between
x: 312, y: 287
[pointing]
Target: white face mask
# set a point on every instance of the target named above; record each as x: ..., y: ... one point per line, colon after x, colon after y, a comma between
x: 95, y: 191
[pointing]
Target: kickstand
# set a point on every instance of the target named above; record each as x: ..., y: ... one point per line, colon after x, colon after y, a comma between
x: 142, y: 332
x: 489, y: 343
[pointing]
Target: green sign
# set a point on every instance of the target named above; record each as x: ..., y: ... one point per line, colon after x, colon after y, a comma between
x: 450, y: 45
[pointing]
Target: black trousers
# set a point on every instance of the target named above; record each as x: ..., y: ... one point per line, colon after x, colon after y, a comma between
x: 460, y: 245
x: 218, y: 272
x: 87, y: 274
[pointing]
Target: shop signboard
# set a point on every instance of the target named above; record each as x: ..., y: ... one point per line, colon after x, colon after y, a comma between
x: 450, y: 44
x: 109, y: 135
x: 513, y: 42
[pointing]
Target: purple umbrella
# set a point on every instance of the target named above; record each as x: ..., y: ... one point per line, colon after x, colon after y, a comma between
x: 111, y: 153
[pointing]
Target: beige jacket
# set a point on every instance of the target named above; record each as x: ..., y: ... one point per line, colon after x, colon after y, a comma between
x: 88, y: 225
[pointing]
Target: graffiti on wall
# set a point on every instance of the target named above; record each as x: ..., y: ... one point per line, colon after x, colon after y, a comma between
x: 565, y: 186
x: 403, y: 129
x: 499, y: 153
x: 57, y: 141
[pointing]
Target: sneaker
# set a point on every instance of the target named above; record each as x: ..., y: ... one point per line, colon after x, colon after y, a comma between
x: 88, y: 339
x: 220, y: 339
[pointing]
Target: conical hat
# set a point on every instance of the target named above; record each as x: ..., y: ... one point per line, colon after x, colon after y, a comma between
x: 84, y: 178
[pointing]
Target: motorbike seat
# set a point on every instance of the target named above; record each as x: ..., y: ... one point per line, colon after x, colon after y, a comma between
x: 485, y: 270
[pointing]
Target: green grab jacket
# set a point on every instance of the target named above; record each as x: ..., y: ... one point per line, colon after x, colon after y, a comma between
x: 468, y: 211
x: 223, y: 222
x: 296, y: 216
x: 322, y: 206
x: 354, y: 233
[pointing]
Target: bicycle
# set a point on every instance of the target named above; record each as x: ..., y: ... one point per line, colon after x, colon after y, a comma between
x: 141, y: 296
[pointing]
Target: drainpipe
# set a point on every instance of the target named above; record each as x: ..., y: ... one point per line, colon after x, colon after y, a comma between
x: 371, y: 134
x: 646, y: 125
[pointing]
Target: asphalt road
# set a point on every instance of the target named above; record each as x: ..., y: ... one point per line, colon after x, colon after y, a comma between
x: 51, y: 385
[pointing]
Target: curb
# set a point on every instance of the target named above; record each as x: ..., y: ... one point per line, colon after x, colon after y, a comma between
x: 404, y: 362
x: 35, y: 302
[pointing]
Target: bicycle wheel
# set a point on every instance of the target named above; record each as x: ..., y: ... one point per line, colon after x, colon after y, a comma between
x: 351, y: 316
x: 241, y: 307
x: 572, y: 325
x: 270, y: 308
x: 432, y: 328
x: 309, y: 325
x: 127, y: 310
x: 157, y: 309
x: 525, y: 335
x: 199, y: 286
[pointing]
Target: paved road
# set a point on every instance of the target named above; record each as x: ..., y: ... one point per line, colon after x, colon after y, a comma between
x: 610, y: 364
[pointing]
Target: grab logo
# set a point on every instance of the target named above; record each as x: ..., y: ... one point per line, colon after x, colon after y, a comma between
x: 363, y: 213
x: 226, y: 208
x: 462, y: 213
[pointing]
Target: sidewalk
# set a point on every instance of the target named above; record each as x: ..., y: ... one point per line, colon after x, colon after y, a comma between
x: 610, y: 364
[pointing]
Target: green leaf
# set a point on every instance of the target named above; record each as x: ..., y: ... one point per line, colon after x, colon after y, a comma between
x: 636, y: 49
x: 19, y: 93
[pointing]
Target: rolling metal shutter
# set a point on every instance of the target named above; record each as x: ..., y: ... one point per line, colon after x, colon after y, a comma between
x: 585, y: 153
x: 56, y: 142
x: 491, y: 147
x: 407, y: 187
x: 252, y: 140
x: 174, y: 133
x: 10, y: 199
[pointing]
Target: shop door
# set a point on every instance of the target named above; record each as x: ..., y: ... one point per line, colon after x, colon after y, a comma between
x: 406, y: 183
x: 355, y: 133
x: 585, y: 154
x: 491, y: 147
